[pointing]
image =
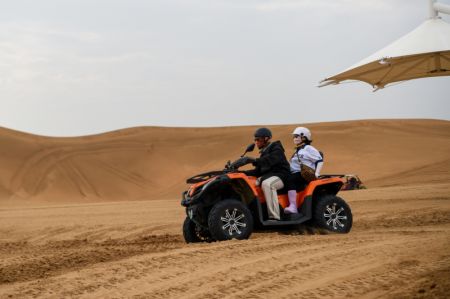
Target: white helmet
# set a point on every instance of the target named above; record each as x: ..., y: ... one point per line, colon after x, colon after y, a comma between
x: 302, y: 131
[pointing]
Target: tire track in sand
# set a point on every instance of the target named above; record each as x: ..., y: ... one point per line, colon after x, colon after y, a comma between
x: 268, y: 266
x: 124, y: 175
x: 31, y: 176
x: 56, y: 257
x: 77, y: 178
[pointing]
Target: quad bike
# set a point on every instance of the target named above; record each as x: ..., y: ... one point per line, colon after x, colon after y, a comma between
x: 228, y: 204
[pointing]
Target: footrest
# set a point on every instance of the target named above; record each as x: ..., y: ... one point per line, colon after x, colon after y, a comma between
x: 292, y: 217
x: 295, y: 219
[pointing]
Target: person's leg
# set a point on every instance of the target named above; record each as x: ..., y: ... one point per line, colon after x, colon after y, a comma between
x: 293, y: 181
x: 292, y: 208
x: 270, y: 187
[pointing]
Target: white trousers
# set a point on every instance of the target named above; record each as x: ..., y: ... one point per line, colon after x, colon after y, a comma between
x: 270, y: 187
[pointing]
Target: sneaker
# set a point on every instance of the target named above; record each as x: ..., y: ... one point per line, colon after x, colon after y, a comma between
x: 291, y: 210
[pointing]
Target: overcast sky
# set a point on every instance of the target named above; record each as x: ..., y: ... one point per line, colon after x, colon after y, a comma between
x: 76, y: 67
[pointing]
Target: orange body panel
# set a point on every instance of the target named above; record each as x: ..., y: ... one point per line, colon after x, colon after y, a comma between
x: 251, y: 181
x: 283, y: 198
x: 312, y: 186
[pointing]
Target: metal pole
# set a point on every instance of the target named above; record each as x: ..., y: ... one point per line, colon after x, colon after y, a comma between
x: 442, y: 8
x: 433, y: 12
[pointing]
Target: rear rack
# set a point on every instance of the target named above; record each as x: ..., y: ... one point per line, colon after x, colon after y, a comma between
x: 327, y: 176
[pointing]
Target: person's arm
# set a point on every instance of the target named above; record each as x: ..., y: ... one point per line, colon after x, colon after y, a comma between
x: 252, y: 172
x: 319, y: 166
x: 265, y: 163
x: 313, y: 155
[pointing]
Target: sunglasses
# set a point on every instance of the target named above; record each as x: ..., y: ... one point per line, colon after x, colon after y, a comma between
x: 296, y: 135
x: 259, y: 138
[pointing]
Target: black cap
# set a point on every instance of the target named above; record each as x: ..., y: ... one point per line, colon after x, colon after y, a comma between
x: 263, y: 132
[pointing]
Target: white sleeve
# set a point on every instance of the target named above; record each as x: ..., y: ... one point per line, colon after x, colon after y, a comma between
x: 319, y: 168
x: 316, y: 158
x: 313, y: 154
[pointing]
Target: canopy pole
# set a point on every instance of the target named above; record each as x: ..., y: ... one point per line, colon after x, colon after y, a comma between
x: 442, y: 8
x: 432, y: 10
x: 436, y: 7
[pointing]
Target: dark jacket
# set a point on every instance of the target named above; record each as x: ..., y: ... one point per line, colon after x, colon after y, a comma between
x: 271, y: 162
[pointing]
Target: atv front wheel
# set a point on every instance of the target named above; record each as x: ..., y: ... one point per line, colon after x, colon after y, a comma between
x: 192, y: 233
x: 334, y: 214
x: 230, y: 219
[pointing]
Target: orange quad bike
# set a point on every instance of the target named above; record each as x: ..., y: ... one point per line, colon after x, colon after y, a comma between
x: 228, y: 204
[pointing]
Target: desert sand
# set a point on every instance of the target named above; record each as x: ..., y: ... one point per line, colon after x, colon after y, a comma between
x: 100, y: 217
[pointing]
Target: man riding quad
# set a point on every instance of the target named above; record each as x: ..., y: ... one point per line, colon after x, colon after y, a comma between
x: 271, y: 168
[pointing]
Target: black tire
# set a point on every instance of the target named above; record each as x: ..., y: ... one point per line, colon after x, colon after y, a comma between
x: 333, y: 213
x: 230, y: 219
x: 191, y: 233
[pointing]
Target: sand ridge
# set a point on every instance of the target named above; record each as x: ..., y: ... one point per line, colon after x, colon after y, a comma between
x: 151, y: 162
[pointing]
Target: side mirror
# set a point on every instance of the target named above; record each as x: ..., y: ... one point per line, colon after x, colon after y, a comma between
x: 249, y: 148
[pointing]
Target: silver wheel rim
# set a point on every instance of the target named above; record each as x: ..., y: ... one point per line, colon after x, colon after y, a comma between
x: 232, y: 222
x: 334, y: 216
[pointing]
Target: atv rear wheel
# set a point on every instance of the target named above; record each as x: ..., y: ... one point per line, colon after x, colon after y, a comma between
x: 192, y: 233
x: 334, y: 214
x: 230, y: 219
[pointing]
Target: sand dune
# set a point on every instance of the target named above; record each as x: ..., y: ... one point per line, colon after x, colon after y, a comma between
x: 99, y: 217
x: 148, y: 162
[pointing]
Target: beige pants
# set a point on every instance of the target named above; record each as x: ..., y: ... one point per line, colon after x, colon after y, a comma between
x: 270, y: 187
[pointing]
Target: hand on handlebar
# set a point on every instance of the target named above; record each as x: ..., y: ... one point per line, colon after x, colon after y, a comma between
x: 248, y: 160
x: 242, y: 161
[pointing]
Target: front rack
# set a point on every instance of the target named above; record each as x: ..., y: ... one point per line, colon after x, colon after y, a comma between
x: 203, y: 176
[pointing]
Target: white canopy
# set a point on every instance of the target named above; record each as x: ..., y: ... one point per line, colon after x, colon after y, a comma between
x: 424, y: 52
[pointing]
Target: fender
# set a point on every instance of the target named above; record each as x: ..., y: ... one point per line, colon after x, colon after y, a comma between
x: 250, y: 180
x: 329, y: 185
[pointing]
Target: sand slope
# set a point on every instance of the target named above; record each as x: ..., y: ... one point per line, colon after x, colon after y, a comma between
x: 149, y: 162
